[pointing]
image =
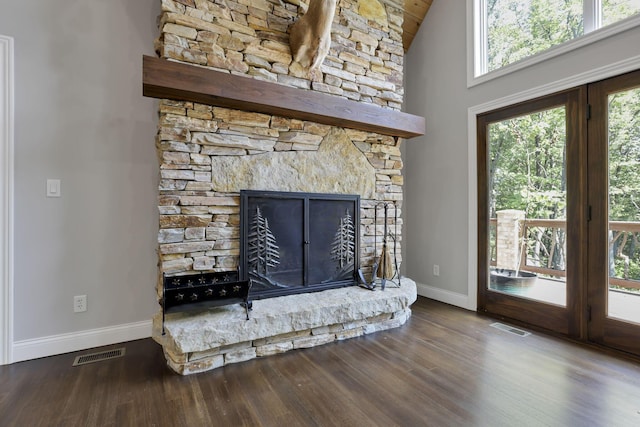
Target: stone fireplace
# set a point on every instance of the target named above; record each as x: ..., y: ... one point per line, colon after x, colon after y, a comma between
x: 210, y: 153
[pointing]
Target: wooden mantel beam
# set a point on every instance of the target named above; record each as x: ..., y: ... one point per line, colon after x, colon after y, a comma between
x: 174, y: 80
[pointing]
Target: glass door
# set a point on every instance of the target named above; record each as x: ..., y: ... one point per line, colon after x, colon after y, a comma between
x: 614, y: 200
x: 531, y: 181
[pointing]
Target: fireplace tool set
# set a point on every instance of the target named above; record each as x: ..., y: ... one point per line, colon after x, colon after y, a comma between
x: 384, y: 267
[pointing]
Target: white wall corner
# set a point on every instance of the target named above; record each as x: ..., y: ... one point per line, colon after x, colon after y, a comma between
x: 447, y: 297
x: 76, y: 341
x: 6, y: 198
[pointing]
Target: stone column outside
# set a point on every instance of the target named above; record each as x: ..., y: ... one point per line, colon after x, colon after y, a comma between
x: 509, y: 238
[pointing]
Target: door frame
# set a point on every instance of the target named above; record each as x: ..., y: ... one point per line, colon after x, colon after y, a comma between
x: 599, y: 73
x: 570, y: 318
x: 603, y: 329
x: 6, y: 197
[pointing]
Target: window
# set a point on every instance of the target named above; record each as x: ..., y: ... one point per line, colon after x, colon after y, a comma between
x: 510, y: 34
x: 615, y: 10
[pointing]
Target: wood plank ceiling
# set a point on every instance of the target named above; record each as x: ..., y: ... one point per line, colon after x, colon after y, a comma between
x: 414, y: 13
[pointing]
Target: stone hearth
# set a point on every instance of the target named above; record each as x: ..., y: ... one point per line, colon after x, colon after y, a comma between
x: 222, y: 336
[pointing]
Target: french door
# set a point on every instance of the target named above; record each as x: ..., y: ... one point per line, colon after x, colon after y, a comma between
x: 531, y: 197
x: 559, y: 212
x: 614, y: 199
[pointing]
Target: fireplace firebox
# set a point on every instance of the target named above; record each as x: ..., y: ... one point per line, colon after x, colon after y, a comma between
x: 298, y: 242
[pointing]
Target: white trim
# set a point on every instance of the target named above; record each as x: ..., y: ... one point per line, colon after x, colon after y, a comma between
x: 592, y: 15
x: 475, y: 47
x: 586, y: 39
x: 591, y: 76
x: 472, y: 223
x: 66, y: 343
x: 6, y: 197
x: 447, y: 297
x: 477, y: 28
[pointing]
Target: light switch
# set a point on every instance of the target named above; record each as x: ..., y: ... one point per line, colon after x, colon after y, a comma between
x: 53, y: 188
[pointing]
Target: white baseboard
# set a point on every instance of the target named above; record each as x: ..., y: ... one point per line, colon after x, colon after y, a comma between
x: 66, y: 343
x: 447, y: 297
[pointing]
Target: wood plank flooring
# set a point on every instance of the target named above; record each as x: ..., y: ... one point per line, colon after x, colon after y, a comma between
x: 445, y: 367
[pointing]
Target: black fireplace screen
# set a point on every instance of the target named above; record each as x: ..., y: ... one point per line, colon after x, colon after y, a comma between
x: 298, y: 242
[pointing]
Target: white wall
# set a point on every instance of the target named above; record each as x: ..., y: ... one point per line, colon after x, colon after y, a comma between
x: 80, y: 117
x: 438, y: 189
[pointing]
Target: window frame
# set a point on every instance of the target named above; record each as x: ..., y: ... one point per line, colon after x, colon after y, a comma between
x: 477, y: 49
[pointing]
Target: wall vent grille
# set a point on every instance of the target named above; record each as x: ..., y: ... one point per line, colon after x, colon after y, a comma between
x: 510, y: 329
x: 98, y: 357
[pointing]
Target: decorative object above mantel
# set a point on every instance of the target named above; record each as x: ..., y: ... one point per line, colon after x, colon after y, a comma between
x: 179, y: 81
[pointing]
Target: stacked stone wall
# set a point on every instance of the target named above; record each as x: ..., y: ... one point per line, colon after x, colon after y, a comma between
x: 199, y: 214
x: 250, y: 37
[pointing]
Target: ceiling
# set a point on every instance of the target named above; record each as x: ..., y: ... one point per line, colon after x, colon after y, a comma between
x: 414, y: 13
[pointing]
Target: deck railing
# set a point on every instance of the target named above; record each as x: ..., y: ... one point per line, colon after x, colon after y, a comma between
x: 544, y: 249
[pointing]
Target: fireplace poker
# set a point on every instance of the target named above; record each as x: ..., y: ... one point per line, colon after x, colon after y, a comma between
x: 383, y: 263
x: 385, y: 255
x: 395, y: 242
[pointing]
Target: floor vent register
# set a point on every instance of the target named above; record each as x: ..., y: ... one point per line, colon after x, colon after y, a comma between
x: 510, y: 329
x: 98, y: 357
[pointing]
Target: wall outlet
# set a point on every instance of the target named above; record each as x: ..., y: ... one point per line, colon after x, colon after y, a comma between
x: 79, y: 303
x: 436, y: 270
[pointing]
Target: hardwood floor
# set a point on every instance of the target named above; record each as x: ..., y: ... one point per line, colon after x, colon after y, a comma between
x: 445, y: 367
